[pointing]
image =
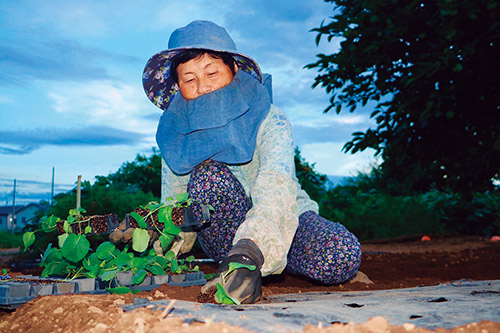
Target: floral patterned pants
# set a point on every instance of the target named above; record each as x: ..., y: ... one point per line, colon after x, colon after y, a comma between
x: 322, y: 250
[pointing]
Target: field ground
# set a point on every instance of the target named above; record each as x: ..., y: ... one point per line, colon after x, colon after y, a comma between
x: 390, y: 264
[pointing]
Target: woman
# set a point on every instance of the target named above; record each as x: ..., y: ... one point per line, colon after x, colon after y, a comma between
x: 226, y: 144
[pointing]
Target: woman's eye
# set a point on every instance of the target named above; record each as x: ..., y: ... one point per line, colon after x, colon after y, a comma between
x: 212, y: 74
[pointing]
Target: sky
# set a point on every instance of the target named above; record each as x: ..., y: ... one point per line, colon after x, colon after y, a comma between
x: 71, y: 96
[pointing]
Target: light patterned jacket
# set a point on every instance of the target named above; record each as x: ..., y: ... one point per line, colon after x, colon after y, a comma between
x: 270, y: 181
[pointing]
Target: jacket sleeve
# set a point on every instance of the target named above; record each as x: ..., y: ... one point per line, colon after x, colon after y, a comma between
x: 171, y: 184
x: 273, y: 219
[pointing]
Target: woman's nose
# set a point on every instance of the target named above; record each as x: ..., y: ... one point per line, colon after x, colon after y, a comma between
x: 204, y: 87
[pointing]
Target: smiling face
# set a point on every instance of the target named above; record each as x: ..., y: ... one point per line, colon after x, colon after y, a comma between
x: 202, y: 75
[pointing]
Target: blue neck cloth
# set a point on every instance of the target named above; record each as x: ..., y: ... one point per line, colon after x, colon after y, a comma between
x: 221, y: 125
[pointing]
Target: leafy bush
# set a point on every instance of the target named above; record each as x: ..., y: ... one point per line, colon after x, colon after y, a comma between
x: 10, y: 240
x: 375, y: 215
x: 101, y: 199
x: 475, y: 213
x: 374, y: 209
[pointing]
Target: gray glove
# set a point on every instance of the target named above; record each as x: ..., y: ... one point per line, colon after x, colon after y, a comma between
x: 124, y: 235
x: 242, y: 284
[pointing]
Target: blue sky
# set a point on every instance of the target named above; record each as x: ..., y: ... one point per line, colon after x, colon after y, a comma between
x: 71, y: 93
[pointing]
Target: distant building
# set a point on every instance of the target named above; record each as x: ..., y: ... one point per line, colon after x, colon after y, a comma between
x: 23, y: 216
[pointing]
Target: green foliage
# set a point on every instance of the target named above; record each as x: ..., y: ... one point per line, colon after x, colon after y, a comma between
x: 373, y: 208
x: 120, y: 192
x: 373, y: 213
x: 74, y: 257
x: 430, y: 67
x: 314, y: 183
x: 377, y: 215
x: 144, y: 174
x: 10, y: 240
x: 100, y: 199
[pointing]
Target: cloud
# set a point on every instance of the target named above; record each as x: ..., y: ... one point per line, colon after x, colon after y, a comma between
x: 125, y: 106
x: 23, y: 60
x: 332, y: 161
x: 324, y: 128
x: 306, y: 135
x: 25, y: 142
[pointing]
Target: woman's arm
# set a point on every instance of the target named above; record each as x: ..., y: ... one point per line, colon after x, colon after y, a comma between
x: 273, y: 219
x: 171, y: 184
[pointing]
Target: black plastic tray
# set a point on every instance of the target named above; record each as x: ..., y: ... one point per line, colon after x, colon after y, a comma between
x: 15, y: 293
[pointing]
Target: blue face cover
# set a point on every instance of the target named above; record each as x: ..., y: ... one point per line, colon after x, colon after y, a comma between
x: 221, y: 125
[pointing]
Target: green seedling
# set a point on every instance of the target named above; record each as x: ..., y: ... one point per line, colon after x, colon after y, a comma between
x: 221, y: 294
x: 73, y: 258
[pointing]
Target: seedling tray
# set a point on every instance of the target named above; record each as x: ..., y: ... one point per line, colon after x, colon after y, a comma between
x: 184, y: 218
x: 22, y: 289
x: 100, y: 224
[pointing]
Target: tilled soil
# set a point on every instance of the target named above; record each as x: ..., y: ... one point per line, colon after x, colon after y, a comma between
x: 389, y: 264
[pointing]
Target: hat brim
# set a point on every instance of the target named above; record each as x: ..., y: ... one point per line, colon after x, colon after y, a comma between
x: 161, y: 88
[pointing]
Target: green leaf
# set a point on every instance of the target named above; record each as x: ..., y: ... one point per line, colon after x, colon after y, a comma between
x: 156, y: 269
x: 139, y: 219
x: 88, y: 229
x: 171, y: 228
x: 223, y: 297
x: 28, y: 239
x: 166, y: 240
x: 140, y: 240
x: 75, y: 247
x: 49, y: 223
x: 119, y: 290
x: 48, y: 251
x: 107, y: 250
x: 181, y: 197
x: 139, y: 263
x: 190, y: 259
x: 93, y: 271
x: 61, y: 239
x: 237, y: 265
x: 161, y: 261
x: 151, y: 253
x: 109, y: 275
x: 173, y: 266
x: 139, y: 277
x: 165, y: 214
x: 67, y: 227
x: 169, y: 255
x: 53, y: 256
x: 123, y: 259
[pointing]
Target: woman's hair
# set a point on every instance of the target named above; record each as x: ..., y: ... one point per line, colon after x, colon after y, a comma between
x: 185, y: 56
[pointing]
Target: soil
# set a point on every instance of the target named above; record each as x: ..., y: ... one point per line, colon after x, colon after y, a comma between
x: 178, y: 215
x: 151, y: 220
x: 100, y: 224
x: 390, y: 264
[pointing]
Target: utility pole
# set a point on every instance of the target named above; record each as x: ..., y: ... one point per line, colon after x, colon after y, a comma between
x: 78, y: 191
x: 14, y: 204
x: 52, y: 193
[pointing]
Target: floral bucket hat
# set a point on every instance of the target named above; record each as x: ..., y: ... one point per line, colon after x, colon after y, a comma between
x: 156, y: 80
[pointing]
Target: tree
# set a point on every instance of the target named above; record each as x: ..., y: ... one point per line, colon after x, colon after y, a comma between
x: 432, y: 67
x: 134, y: 184
x: 314, y: 183
x: 144, y: 173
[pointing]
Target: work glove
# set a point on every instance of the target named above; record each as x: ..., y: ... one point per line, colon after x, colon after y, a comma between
x: 124, y: 235
x: 239, y: 275
x: 183, y: 243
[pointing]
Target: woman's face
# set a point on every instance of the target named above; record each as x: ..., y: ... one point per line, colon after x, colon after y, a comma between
x: 202, y: 75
